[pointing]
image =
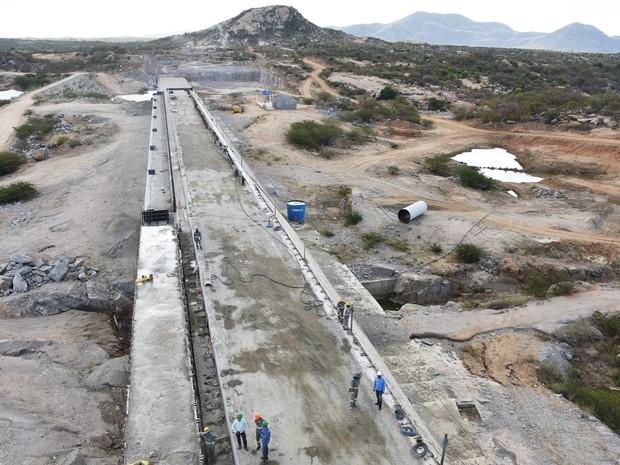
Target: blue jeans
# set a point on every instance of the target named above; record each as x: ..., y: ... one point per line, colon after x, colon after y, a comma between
x: 265, y: 452
x: 379, y: 398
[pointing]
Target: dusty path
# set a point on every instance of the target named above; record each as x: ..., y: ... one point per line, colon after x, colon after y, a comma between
x: 306, y: 87
x: 11, y: 114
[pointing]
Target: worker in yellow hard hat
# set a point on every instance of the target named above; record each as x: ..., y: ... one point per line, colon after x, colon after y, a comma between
x: 340, y: 308
x: 208, y: 439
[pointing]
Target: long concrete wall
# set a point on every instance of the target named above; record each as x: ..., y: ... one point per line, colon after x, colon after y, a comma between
x: 161, y: 424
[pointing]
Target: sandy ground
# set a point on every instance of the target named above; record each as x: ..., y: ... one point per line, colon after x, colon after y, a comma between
x: 88, y: 209
x: 64, y: 376
x: 513, y: 411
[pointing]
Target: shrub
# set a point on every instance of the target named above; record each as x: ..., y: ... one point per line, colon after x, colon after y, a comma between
x: 61, y: 140
x: 434, y: 104
x: 439, y: 165
x: 74, y: 142
x: 352, y: 218
x: 308, y: 101
x: 37, y: 127
x: 10, y: 162
x: 327, y: 233
x: 344, y: 191
x: 468, y: 253
x: 436, y: 248
x: 400, y: 244
x: 562, y: 288
x: 471, y: 177
x: 372, y: 239
x: 393, y: 170
x: 310, y: 135
x: 17, y: 191
x: 387, y: 93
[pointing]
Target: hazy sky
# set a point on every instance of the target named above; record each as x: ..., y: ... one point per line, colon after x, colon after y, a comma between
x: 139, y: 18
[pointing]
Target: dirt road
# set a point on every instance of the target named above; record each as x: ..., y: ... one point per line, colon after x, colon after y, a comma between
x: 11, y: 114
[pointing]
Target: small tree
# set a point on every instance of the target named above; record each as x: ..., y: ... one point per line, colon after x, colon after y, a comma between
x: 387, y: 93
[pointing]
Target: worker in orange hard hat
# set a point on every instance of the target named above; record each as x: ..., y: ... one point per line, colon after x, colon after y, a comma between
x: 258, y: 420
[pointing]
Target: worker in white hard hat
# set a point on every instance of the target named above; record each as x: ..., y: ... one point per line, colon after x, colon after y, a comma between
x: 379, y: 388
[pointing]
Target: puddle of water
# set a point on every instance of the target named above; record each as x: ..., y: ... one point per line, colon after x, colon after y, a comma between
x: 9, y: 94
x: 496, y: 164
x: 389, y: 306
x: 137, y: 97
x: 509, y: 176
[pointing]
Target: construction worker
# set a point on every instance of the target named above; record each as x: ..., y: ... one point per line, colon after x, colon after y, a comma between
x: 238, y: 427
x: 340, y: 308
x: 346, y: 313
x: 354, y: 388
x: 198, y: 238
x: 208, y: 439
x: 379, y: 388
x: 265, y: 437
x: 258, y: 420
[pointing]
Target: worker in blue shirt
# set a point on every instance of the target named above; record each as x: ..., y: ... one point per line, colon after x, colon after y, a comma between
x: 265, y: 437
x: 379, y: 388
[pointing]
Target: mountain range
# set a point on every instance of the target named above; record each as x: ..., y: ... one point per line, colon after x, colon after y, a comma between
x: 454, y: 29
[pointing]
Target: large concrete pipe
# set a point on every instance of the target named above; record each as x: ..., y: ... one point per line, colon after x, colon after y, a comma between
x: 414, y: 210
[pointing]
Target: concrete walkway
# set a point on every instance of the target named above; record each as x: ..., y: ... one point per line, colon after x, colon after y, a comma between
x: 277, y: 351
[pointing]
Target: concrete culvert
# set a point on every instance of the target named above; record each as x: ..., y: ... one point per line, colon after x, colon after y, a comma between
x: 405, y: 215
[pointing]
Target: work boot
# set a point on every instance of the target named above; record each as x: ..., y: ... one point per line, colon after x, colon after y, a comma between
x: 258, y: 447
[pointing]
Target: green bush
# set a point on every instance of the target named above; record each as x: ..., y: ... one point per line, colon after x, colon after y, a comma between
x: 10, y: 162
x: 387, y: 93
x: 393, y: 170
x: 439, y: 165
x: 310, y: 135
x: 436, y: 248
x: 352, y: 218
x: 434, y: 104
x: 327, y: 233
x: 562, y: 288
x: 17, y: 191
x: 468, y: 253
x: 308, y: 101
x: 471, y: 177
x: 372, y: 239
x: 37, y: 126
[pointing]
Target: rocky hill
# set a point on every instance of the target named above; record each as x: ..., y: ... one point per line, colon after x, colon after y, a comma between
x: 281, y: 25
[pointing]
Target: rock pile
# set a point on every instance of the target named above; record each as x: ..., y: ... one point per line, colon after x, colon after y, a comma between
x: 22, y: 273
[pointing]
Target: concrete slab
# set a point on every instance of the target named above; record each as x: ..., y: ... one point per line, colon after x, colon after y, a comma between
x: 160, y: 416
x: 277, y: 353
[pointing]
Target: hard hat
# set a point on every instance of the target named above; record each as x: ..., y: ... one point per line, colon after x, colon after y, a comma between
x: 257, y: 416
x: 265, y: 424
x: 347, y: 304
x: 339, y: 299
x: 206, y: 429
x: 379, y: 373
x: 240, y: 415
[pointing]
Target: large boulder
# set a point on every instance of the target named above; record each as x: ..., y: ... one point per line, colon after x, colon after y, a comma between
x: 113, y: 373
